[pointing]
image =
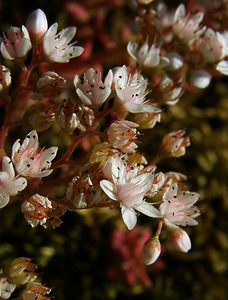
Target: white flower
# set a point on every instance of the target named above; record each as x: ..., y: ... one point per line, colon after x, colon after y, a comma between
x: 91, y: 90
x: 57, y: 47
x: 148, y: 56
x: 9, y: 184
x: 15, y: 43
x: 178, y: 207
x: 37, y: 24
x: 6, y: 288
x: 128, y: 188
x: 31, y: 161
x: 131, y: 91
x: 186, y: 26
x: 35, y: 210
x: 122, y: 134
x: 213, y: 46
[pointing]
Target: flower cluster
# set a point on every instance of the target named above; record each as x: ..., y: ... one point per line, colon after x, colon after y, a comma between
x: 96, y: 122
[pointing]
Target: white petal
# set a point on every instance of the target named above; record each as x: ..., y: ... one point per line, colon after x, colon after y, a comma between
x: 5, y: 52
x: 83, y: 97
x: 180, y: 13
x: 4, y: 199
x: 121, y: 77
x: 48, y: 155
x: 222, y: 67
x: 7, y: 166
x: 139, y: 108
x: 108, y: 79
x: 132, y: 49
x: 171, y: 192
x: 17, y: 186
x: 129, y: 217
x: 108, y: 188
x: 148, y: 209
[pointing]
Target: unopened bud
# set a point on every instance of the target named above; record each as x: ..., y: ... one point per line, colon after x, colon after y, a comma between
x: 147, y: 120
x: 5, y: 77
x: 22, y: 270
x: 6, y: 288
x: 180, y: 240
x: 175, y: 143
x: 37, y: 24
x: 151, y: 251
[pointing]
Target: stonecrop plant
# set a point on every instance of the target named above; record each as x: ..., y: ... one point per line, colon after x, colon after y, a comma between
x: 100, y: 119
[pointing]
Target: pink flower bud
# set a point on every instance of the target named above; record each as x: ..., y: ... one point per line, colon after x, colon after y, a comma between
x: 151, y: 251
x: 37, y: 24
x: 180, y: 240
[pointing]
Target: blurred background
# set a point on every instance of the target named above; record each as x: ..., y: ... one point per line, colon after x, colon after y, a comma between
x: 91, y: 255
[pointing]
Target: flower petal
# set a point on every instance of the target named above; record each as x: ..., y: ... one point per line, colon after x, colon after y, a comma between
x: 129, y: 217
x: 108, y: 188
x: 148, y: 209
x: 7, y: 166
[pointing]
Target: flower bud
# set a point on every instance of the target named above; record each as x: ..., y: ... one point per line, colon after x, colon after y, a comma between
x: 180, y: 240
x: 174, y: 143
x: 151, y: 251
x: 5, y: 77
x: 35, y: 290
x: 147, y: 120
x: 37, y: 24
x: 22, y: 270
x: 6, y: 288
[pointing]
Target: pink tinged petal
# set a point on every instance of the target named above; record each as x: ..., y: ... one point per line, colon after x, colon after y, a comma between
x: 5, y: 52
x: 129, y: 217
x: 7, y: 166
x: 144, y: 180
x: 108, y: 188
x: 17, y: 186
x: 188, y: 198
x: 129, y: 194
x: 148, y: 209
x: 171, y: 192
x: 4, y: 199
x: 222, y: 67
